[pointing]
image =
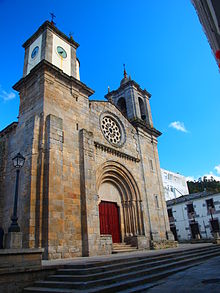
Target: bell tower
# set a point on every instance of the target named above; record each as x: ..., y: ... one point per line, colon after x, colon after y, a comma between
x: 52, y: 103
x: 133, y: 102
x: 50, y: 44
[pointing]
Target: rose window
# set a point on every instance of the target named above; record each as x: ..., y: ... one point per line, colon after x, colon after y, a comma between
x: 111, y: 130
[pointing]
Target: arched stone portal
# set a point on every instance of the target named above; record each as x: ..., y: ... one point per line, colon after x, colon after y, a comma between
x: 116, y: 184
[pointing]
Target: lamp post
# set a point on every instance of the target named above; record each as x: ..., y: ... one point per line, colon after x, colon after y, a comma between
x: 18, y: 162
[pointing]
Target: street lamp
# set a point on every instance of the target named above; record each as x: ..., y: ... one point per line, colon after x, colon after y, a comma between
x: 18, y: 162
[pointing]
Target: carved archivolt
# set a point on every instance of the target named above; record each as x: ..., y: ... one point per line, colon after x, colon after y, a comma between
x: 115, y: 173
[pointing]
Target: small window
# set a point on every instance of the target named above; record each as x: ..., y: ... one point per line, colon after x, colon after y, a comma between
x: 142, y: 109
x: 214, y: 225
x: 170, y: 176
x: 190, y: 208
x: 171, y: 188
x: 122, y: 106
x: 156, y: 201
x: 151, y: 164
x: 210, y: 204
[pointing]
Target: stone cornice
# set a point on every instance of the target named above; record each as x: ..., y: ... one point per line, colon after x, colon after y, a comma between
x: 49, y: 25
x: 8, y: 128
x: 115, y: 152
x: 45, y: 65
x: 125, y: 85
x: 146, y: 127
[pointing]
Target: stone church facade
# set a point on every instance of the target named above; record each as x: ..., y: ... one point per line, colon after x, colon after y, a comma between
x: 92, y: 173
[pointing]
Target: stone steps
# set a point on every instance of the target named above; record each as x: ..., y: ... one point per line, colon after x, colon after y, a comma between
x: 122, y: 248
x: 112, y: 262
x: 133, y: 274
x: 109, y: 271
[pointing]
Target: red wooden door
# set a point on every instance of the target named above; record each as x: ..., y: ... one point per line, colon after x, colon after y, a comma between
x: 109, y: 220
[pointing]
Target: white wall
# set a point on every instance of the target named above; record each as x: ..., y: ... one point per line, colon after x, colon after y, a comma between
x: 202, y: 216
x: 34, y: 61
x: 63, y: 63
x: 181, y: 222
x: 174, y: 184
x: 77, y: 70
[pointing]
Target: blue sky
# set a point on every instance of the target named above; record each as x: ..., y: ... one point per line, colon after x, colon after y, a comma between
x: 165, y: 50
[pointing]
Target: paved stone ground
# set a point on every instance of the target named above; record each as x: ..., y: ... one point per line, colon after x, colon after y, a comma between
x: 201, y: 278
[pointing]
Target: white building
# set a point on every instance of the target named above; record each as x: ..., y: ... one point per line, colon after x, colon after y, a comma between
x: 194, y: 216
x: 174, y: 184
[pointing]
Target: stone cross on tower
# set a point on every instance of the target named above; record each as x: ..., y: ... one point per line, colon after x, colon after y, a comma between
x: 52, y: 18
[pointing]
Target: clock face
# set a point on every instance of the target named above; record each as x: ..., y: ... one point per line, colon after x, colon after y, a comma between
x: 61, y: 52
x: 34, y: 52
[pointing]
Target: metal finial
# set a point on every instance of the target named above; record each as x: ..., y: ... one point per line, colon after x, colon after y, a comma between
x: 108, y: 89
x: 125, y: 73
x: 71, y: 35
x: 52, y: 17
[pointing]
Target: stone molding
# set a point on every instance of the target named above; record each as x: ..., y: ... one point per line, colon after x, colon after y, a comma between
x: 130, y: 83
x: 146, y: 127
x: 48, y: 25
x: 43, y: 66
x: 117, y: 153
x: 8, y: 128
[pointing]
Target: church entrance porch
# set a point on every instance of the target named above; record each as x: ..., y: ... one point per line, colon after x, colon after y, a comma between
x: 120, y: 212
x: 109, y: 220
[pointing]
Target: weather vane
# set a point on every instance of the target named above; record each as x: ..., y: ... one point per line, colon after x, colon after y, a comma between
x: 52, y: 17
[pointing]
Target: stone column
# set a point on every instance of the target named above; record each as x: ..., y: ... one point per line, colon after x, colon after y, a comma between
x: 89, y: 199
x: 134, y: 217
x: 125, y: 219
x: 53, y: 198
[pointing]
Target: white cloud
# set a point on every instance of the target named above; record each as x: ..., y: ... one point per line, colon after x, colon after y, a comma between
x: 190, y: 178
x: 208, y: 176
x: 6, y: 96
x: 217, y: 169
x: 178, y: 126
x: 217, y: 178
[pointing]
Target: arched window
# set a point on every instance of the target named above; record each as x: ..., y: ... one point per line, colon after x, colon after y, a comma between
x: 122, y: 106
x: 142, y: 109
